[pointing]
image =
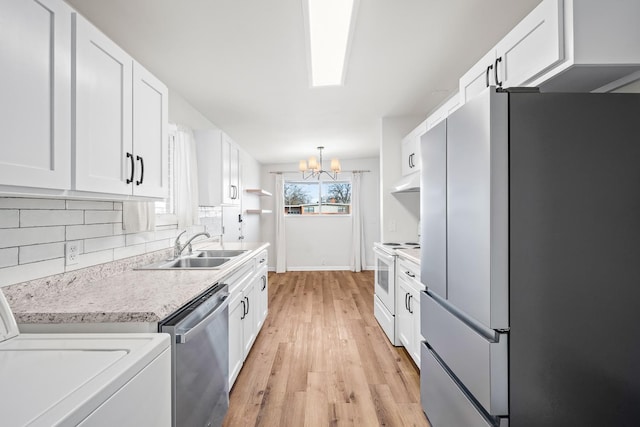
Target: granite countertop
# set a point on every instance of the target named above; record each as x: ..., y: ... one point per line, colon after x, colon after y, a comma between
x: 412, y: 255
x: 130, y: 296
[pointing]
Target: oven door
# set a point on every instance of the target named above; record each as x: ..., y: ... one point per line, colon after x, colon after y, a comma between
x: 385, y: 273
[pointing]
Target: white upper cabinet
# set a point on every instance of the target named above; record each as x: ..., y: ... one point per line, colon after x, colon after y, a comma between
x: 443, y: 111
x: 600, y: 46
x: 104, y: 159
x: 410, y: 149
x: 35, y: 103
x: 218, y: 168
x: 150, y: 136
x: 531, y: 48
x: 120, y: 119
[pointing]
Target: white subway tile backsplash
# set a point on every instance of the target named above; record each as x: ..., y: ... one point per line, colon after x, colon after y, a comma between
x: 25, y: 203
x: 34, y: 233
x: 166, y: 234
x: 137, y: 238
x: 75, y: 232
x: 35, y: 253
x: 8, y: 257
x: 93, y: 258
x: 102, y: 243
x: 89, y: 204
x: 35, y: 270
x: 39, y: 218
x: 129, y: 251
x: 9, y: 218
x: 10, y: 237
x: 102, y: 217
x: 159, y: 244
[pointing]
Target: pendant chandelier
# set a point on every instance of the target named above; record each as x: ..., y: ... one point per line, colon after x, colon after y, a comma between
x: 314, y: 168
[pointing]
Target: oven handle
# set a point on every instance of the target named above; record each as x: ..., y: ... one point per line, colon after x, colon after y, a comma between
x: 184, y: 336
x: 381, y: 254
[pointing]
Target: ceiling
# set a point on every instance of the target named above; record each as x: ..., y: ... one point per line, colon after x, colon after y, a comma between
x: 243, y: 64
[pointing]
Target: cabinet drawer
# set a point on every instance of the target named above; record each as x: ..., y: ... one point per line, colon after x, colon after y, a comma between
x: 443, y: 401
x: 479, y: 362
x: 385, y: 319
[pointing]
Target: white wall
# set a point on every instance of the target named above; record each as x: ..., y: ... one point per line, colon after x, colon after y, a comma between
x: 400, y: 213
x: 251, y: 178
x: 324, y: 242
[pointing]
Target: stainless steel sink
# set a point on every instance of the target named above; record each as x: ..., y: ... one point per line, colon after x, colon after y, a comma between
x: 214, y: 253
x: 187, y: 263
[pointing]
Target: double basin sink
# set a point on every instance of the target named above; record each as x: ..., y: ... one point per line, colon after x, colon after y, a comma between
x: 205, y: 259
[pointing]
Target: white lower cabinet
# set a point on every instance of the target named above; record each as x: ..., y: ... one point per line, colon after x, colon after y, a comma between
x: 408, y: 289
x: 247, y: 310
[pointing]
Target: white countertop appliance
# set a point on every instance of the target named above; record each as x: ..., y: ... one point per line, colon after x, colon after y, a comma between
x: 82, y: 379
x: 384, y: 299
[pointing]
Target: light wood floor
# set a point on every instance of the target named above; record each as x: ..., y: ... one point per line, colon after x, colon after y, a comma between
x: 321, y: 359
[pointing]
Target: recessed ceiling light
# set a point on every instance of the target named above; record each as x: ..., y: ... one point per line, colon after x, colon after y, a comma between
x: 329, y: 27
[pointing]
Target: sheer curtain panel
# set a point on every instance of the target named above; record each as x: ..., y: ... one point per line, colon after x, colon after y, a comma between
x: 281, y: 245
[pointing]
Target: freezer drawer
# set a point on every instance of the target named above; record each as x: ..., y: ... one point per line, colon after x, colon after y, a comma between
x: 477, y: 360
x: 446, y: 404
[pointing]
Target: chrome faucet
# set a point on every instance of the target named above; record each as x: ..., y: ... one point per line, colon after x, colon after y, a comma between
x: 177, y: 248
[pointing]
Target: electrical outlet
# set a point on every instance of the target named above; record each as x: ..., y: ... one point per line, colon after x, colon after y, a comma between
x: 72, y: 250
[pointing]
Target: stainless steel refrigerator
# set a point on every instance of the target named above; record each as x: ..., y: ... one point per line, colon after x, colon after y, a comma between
x: 530, y: 213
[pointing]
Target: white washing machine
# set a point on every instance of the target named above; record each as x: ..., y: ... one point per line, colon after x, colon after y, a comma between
x: 82, y: 379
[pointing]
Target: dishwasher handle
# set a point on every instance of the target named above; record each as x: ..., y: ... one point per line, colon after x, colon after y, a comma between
x: 184, y: 336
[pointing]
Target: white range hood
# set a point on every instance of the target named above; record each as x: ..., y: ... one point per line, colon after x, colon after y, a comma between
x: 407, y: 184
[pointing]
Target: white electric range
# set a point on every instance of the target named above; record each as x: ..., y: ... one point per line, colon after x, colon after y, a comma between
x: 384, y: 299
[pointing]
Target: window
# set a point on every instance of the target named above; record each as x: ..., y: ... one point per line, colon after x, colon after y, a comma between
x: 167, y: 207
x: 317, y: 197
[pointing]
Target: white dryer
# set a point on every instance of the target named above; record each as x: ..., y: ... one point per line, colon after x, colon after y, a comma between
x: 82, y: 379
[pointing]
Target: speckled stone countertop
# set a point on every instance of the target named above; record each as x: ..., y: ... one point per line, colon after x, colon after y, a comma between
x: 129, y: 296
x: 410, y: 254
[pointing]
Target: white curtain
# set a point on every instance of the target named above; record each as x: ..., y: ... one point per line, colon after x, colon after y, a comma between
x: 281, y: 246
x: 186, y: 177
x: 357, y: 242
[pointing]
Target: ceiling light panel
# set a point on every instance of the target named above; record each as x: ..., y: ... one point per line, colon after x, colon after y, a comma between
x: 329, y: 27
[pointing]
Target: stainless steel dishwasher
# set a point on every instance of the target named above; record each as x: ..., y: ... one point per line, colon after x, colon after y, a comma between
x: 200, y: 359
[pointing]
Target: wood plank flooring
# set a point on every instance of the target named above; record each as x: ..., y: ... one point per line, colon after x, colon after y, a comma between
x: 321, y: 359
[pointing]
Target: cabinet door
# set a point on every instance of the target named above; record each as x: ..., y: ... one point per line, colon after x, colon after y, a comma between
x: 414, y: 304
x: 236, y: 342
x: 35, y: 100
x: 230, y: 171
x: 403, y: 316
x: 150, y: 143
x: 263, y: 297
x: 410, y: 156
x: 533, y: 46
x: 104, y: 159
x: 249, y: 321
x: 479, y: 77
